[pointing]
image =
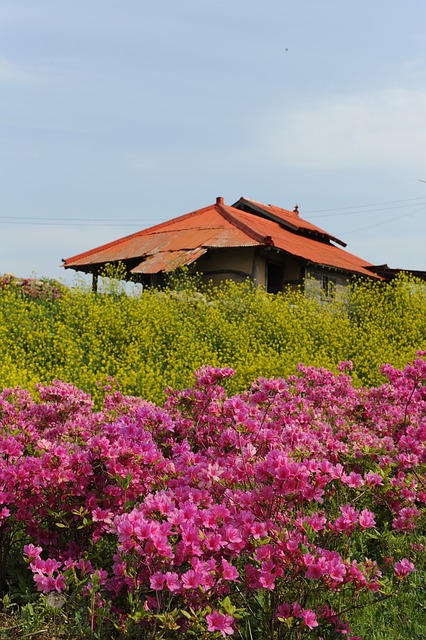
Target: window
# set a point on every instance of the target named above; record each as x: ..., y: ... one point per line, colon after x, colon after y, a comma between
x: 328, y: 287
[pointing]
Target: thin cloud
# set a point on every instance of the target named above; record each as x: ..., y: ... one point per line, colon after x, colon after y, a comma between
x: 12, y: 73
x: 382, y: 129
x: 43, y: 126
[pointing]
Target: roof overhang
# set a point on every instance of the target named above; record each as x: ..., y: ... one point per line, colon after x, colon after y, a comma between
x: 358, y: 271
x: 387, y: 272
x: 168, y: 261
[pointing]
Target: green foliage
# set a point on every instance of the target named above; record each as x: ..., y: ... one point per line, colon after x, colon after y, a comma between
x: 157, y: 339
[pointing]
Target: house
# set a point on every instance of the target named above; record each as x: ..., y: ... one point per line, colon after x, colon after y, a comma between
x: 273, y: 247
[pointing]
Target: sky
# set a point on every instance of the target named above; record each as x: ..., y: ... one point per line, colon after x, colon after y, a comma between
x: 116, y: 115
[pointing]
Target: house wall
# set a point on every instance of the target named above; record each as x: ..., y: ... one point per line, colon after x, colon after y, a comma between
x: 292, y: 270
x: 326, y: 284
x: 291, y: 274
x: 259, y: 270
x: 236, y: 264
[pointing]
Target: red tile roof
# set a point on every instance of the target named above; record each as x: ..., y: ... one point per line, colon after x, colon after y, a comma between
x: 291, y: 219
x: 182, y: 240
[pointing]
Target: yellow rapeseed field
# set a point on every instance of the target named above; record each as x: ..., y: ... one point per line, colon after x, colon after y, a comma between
x: 158, y: 338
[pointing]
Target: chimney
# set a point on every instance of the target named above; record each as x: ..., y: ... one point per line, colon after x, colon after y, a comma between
x: 219, y: 200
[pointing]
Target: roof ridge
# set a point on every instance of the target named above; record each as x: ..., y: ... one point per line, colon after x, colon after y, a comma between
x: 146, y: 231
x: 242, y: 226
x: 267, y: 210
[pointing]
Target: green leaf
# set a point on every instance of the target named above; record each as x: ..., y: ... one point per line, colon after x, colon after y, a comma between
x: 186, y: 614
x: 228, y: 606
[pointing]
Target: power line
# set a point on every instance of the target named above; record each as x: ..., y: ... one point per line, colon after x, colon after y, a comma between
x: 367, y: 211
x: 74, y: 219
x: 37, y: 222
x: 368, y: 206
x: 371, y: 226
x: 362, y: 209
x: 379, y: 224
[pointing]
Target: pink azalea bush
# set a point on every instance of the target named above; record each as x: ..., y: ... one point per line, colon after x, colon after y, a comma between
x: 273, y: 513
x: 37, y: 288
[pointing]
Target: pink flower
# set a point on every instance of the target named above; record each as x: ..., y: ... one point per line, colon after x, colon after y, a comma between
x: 406, y: 519
x: 316, y: 521
x: 347, y: 521
x: 283, y: 610
x: 349, y: 513
x: 317, y: 569
x: 309, y: 618
x: 366, y: 519
x: 211, y: 489
x: 45, y: 566
x: 220, y: 622
x: 192, y: 579
x: 352, y: 480
x: 229, y: 572
x: 267, y: 580
x: 31, y: 551
x: 157, y: 580
x: 403, y: 568
x: 346, y: 365
x: 336, y: 570
x: 307, y: 615
x: 214, y: 542
x: 173, y: 581
x: 49, y: 583
x: 234, y: 539
x: 258, y: 530
x: 373, y: 479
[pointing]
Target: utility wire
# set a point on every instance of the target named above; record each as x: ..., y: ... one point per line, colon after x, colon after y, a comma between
x: 379, y: 224
x: 371, y: 226
x: 364, y: 212
x: 363, y: 209
x: 363, y: 206
x: 72, y: 219
x: 35, y: 221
